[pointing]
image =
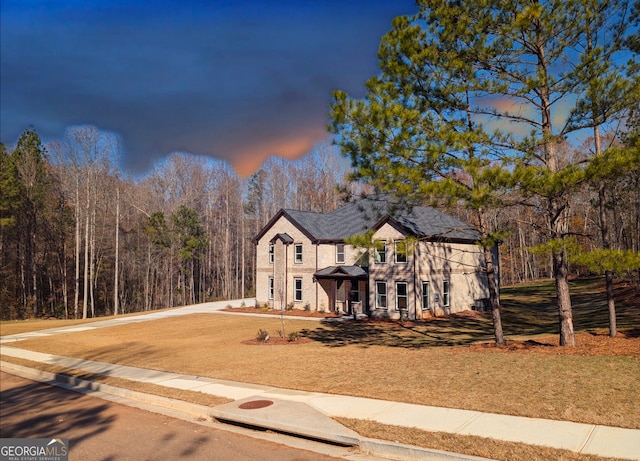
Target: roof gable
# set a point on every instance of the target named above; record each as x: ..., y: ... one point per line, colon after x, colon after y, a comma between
x: 285, y: 214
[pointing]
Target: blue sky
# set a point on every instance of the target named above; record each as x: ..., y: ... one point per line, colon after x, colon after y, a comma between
x: 238, y: 80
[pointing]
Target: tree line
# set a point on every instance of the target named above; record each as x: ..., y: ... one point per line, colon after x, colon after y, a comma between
x: 79, y: 238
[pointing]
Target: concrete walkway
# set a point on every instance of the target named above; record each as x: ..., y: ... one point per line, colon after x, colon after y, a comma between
x: 309, y: 413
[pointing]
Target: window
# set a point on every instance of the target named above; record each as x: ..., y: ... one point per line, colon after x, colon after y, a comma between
x: 297, y: 290
x: 401, y: 251
x: 425, y: 296
x: 340, y: 253
x: 381, y: 295
x: 381, y: 252
x: 297, y: 253
x: 354, y: 293
x: 270, y: 287
x: 401, y: 296
x: 271, y: 253
x: 445, y: 293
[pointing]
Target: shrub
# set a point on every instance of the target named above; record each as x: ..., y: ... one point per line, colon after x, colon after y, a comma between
x: 265, y: 309
x: 290, y: 306
x: 262, y: 335
x: 307, y: 307
x: 294, y: 336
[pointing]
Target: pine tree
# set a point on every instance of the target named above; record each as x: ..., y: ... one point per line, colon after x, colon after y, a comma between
x: 473, y: 100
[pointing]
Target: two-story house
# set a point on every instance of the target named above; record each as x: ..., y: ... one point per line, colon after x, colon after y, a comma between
x: 419, y: 262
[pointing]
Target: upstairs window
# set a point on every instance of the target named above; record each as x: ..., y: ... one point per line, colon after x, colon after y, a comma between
x: 340, y: 253
x: 381, y: 252
x: 297, y: 253
x: 401, y: 251
x: 271, y: 253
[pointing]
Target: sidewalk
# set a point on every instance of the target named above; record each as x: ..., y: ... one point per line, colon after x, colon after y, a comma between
x: 308, y: 413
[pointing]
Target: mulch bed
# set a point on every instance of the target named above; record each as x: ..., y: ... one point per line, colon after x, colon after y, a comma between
x: 593, y: 343
x: 277, y: 341
x: 626, y: 343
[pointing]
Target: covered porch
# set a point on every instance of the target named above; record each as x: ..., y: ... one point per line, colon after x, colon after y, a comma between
x: 347, y: 288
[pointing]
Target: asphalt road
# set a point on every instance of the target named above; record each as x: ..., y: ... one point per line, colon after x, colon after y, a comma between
x: 102, y: 430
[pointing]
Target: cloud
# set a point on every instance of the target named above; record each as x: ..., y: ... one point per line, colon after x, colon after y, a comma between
x: 233, y: 80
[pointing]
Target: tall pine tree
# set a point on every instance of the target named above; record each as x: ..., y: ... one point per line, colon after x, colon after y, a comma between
x: 475, y: 98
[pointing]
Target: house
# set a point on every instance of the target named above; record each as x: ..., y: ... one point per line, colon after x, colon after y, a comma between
x: 420, y: 262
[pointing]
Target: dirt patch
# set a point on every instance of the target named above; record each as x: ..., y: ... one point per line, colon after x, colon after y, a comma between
x: 626, y: 343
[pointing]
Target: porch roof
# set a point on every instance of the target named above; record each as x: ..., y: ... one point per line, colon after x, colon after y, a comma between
x: 341, y: 272
x: 284, y: 238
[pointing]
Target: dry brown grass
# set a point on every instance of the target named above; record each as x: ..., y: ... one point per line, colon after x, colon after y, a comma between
x: 445, y: 362
x: 13, y: 327
x: 465, y: 444
x: 377, y: 360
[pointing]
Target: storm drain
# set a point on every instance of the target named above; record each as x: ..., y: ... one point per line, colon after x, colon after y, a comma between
x: 255, y: 404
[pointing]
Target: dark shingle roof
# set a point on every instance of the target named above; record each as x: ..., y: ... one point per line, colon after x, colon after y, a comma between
x: 284, y: 238
x: 362, y: 215
x: 341, y: 272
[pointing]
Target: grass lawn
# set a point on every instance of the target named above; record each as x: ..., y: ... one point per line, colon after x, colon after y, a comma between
x: 444, y: 362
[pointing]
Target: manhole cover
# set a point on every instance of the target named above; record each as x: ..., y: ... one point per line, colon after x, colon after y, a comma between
x: 255, y: 404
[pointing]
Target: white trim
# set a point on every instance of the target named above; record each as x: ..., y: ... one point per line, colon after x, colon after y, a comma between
x: 297, y: 290
x: 428, y: 295
x: 376, y: 255
x: 395, y: 250
x: 340, y: 253
x: 386, y: 295
x: 405, y: 296
x: 446, y: 293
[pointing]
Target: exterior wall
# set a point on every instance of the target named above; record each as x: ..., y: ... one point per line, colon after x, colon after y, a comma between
x: 462, y: 265
x: 391, y: 273
x: 458, y: 264
x: 285, y: 270
x: 431, y: 262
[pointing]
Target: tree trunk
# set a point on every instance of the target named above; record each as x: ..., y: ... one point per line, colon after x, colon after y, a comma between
x: 34, y: 266
x: 561, y: 274
x: 606, y: 243
x: 493, y: 296
x: 77, y: 252
x: 117, y: 255
x: 611, y: 304
x: 85, y: 296
x: 92, y: 261
x: 557, y: 208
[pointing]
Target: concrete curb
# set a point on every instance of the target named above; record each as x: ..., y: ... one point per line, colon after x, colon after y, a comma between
x: 200, y: 413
